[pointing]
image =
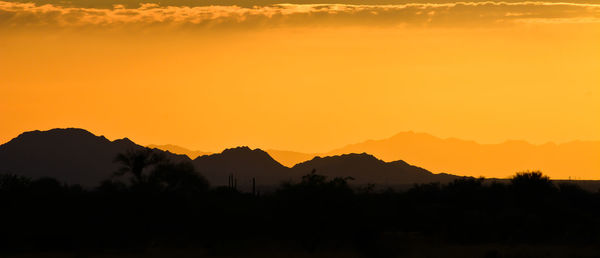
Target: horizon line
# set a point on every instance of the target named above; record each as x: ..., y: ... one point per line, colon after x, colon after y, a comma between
x: 550, y: 142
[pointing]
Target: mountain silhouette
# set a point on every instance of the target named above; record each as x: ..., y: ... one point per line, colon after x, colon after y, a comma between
x: 571, y: 160
x: 74, y: 156
x: 244, y: 164
x: 192, y: 154
x: 366, y: 168
x: 576, y: 160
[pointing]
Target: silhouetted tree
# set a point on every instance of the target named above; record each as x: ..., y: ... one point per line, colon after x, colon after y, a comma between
x: 13, y: 183
x: 178, y: 178
x: 320, y: 208
x: 468, y: 185
x: 313, y: 178
x: 532, y: 189
x: 135, y: 161
x: 532, y: 182
x: 316, y: 213
x: 466, y: 191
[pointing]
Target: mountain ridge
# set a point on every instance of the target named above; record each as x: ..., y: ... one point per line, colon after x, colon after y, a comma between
x: 192, y: 154
x: 368, y: 169
x: 572, y: 159
x: 499, y: 160
x: 450, y: 155
x: 77, y: 156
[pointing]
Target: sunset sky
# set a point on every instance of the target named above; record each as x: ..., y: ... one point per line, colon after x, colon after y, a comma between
x: 305, y: 76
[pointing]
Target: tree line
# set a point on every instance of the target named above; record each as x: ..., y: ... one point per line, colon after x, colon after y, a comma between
x: 151, y: 201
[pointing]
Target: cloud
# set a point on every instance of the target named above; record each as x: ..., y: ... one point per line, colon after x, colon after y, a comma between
x: 19, y: 15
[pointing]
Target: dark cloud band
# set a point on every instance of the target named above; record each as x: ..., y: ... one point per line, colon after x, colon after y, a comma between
x: 15, y: 15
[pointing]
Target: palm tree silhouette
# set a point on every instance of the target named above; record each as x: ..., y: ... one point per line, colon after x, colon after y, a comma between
x: 135, y: 161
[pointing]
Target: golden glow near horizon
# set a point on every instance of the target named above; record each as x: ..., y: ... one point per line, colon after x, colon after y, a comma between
x: 306, y: 78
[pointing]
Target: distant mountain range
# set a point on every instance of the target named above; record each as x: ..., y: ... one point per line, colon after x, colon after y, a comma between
x: 244, y: 164
x: 77, y: 156
x: 575, y: 160
x: 366, y: 168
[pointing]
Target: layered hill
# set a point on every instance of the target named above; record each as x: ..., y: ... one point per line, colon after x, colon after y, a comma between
x: 576, y: 160
x: 243, y: 164
x: 366, y: 168
x: 571, y: 160
x: 72, y: 155
x: 77, y: 156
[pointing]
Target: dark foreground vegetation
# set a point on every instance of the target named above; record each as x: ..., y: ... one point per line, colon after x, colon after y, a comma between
x: 156, y: 208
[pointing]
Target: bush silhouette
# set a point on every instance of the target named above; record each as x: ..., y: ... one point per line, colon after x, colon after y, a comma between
x: 532, y: 184
x: 171, y: 203
x: 179, y: 178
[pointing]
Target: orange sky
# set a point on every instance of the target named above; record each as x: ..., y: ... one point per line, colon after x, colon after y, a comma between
x: 299, y: 78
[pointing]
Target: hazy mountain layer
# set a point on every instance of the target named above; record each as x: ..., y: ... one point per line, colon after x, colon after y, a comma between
x: 77, y: 156
x: 575, y: 160
x: 578, y: 159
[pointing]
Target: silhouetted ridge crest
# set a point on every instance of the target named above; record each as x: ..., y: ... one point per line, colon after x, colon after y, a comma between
x: 366, y: 168
x: 244, y: 164
x: 402, y: 163
x: 244, y: 153
x: 493, y: 159
x: 61, y: 131
x: 77, y: 156
x: 248, y: 152
x: 71, y: 155
x: 350, y: 157
x: 124, y: 141
x: 192, y: 154
x: 55, y: 136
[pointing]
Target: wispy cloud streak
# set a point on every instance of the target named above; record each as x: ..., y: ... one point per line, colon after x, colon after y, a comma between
x: 18, y: 15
